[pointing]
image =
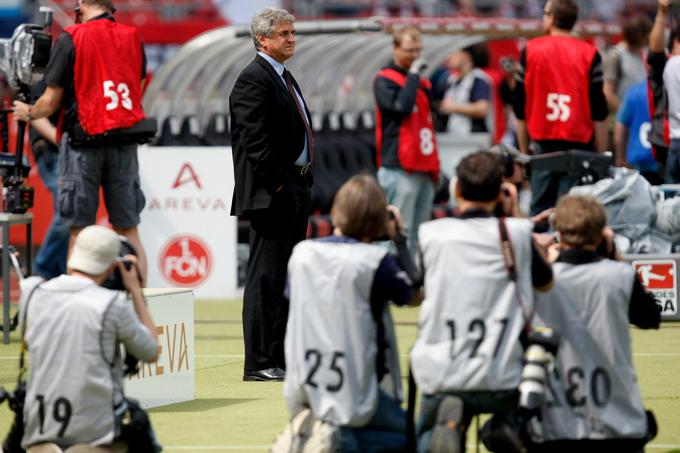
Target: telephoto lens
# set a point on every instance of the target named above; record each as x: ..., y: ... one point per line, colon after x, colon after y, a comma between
x: 538, y: 359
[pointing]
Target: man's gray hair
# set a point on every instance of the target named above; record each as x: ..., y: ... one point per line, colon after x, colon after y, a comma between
x: 264, y: 20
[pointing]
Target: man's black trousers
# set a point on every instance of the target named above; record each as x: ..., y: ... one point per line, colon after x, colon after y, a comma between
x: 273, y: 234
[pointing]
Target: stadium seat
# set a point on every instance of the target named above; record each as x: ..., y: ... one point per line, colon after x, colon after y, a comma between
x: 170, y: 132
x: 217, y: 133
x: 325, y: 182
x: 190, y: 132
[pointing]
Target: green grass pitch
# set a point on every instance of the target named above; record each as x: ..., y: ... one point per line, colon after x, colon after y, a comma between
x: 230, y: 415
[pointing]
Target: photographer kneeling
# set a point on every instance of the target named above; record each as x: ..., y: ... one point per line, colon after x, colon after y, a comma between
x: 594, y: 403
x: 341, y: 350
x: 480, y: 275
x: 73, y: 329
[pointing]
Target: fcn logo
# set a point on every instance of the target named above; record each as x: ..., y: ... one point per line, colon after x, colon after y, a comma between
x: 185, y: 261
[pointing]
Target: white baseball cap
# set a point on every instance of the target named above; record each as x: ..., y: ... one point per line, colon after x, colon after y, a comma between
x: 96, y: 248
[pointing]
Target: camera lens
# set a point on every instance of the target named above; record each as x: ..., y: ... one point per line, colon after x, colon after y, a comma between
x: 532, y: 386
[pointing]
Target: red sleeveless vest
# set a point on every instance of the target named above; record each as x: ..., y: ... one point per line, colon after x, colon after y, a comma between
x: 557, y: 84
x: 417, y: 147
x: 107, y: 75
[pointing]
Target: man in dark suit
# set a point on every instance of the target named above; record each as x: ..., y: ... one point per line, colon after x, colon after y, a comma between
x: 272, y: 149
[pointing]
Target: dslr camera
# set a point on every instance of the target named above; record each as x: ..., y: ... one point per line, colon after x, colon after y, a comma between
x: 503, y: 432
x: 115, y: 282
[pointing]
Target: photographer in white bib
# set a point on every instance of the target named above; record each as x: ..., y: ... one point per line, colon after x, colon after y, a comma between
x: 594, y: 402
x: 74, y: 328
x: 467, y: 358
x: 341, y: 350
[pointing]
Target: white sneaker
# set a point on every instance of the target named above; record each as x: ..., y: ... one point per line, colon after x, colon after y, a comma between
x: 295, y: 434
x: 305, y: 434
x: 324, y: 438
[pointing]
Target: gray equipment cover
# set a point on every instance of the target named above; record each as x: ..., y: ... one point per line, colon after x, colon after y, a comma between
x: 631, y: 203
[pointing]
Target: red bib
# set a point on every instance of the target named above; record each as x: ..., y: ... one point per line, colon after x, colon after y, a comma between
x: 417, y: 145
x: 557, y: 83
x: 107, y: 75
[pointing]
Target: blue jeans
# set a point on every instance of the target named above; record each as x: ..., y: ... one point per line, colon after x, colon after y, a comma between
x: 385, y: 432
x: 673, y: 163
x: 51, y: 259
x: 500, y: 402
x: 413, y: 194
x: 547, y: 187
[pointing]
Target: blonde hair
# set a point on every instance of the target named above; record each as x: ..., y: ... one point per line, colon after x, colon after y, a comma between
x: 360, y: 208
x: 408, y: 30
x: 580, y: 220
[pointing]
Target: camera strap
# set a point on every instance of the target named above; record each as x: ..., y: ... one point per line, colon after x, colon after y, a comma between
x: 511, y: 268
x: 24, y: 348
x: 112, y: 362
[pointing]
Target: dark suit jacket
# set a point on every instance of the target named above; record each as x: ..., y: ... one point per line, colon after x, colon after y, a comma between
x: 268, y: 135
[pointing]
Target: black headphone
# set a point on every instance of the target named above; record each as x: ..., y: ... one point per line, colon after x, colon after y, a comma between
x: 507, y: 159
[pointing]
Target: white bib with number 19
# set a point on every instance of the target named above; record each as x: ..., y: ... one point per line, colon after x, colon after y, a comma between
x: 115, y: 96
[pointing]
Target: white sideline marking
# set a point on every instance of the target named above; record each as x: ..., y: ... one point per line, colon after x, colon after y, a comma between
x: 216, y: 447
x: 265, y: 447
x: 240, y: 356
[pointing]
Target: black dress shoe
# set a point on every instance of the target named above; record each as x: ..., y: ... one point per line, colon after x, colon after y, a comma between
x: 269, y: 374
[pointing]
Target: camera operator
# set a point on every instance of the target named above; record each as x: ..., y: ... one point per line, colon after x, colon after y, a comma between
x: 74, y: 328
x: 594, y: 402
x: 95, y: 75
x: 480, y: 275
x: 340, y: 343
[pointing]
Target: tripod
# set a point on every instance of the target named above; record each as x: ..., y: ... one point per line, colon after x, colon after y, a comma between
x: 14, y: 260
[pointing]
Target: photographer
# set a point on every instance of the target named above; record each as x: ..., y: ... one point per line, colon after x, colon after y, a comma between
x: 73, y: 331
x: 406, y: 147
x: 480, y: 275
x: 594, y: 401
x: 95, y: 75
x: 340, y: 343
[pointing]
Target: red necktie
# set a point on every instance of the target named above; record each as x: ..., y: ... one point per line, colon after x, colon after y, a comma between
x: 308, y: 130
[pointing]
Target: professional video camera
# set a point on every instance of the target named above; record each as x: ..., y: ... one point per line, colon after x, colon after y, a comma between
x: 23, y: 58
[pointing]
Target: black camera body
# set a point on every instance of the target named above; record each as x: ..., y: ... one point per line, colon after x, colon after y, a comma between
x: 115, y: 282
x: 17, y: 198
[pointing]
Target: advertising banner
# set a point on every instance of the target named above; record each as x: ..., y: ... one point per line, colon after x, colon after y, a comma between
x: 171, y: 379
x: 658, y: 273
x: 186, y: 229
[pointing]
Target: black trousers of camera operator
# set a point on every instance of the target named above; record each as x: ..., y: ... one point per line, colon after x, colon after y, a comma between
x: 273, y: 234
